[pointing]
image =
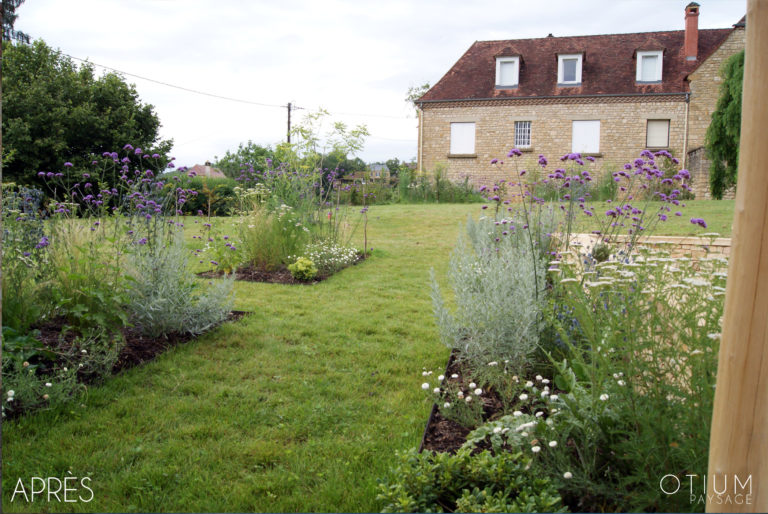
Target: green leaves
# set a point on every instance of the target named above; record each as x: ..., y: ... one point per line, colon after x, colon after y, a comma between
x: 722, y: 140
x: 55, y: 112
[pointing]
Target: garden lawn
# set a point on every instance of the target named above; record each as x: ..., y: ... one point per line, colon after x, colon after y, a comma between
x: 299, y: 406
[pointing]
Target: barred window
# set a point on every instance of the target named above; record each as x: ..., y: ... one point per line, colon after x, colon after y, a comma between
x: 522, y: 134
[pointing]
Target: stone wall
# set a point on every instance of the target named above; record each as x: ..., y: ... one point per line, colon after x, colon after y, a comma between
x: 699, y: 166
x: 705, y: 87
x: 622, y: 131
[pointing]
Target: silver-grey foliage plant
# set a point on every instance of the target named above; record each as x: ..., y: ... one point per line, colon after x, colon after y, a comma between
x: 166, y: 297
x: 498, y: 309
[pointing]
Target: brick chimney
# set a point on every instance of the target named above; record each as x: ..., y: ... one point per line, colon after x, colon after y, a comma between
x: 691, y: 47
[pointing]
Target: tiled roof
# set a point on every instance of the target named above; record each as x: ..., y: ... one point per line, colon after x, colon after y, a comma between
x: 609, y: 65
x: 201, y: 170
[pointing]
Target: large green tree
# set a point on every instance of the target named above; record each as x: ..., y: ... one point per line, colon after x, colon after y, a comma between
x: 55, y: 112
x: 722, y: 141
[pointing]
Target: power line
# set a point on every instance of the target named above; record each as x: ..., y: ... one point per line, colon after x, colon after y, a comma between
x: 223, y: 97
x: 189, y: 90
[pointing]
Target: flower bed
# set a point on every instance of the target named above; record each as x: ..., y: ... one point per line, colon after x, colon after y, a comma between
x: 593, y: 363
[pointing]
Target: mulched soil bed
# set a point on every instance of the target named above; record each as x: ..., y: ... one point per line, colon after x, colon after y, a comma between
x: 279, y: 276
x: 445, y: 435
x: 138, y: 348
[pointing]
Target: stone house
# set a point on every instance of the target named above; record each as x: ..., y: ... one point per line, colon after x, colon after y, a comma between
x: 608, y: 96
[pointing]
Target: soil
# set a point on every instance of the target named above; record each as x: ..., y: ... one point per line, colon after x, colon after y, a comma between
x: 138, y: 348
x: 280, y: 275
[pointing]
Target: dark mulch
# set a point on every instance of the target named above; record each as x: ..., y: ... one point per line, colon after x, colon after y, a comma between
x: 138, y: 348
x: 280, y: 275
x: 445, y: 435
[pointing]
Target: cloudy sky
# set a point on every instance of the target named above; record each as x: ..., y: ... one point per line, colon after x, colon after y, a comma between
x: 355, y: 59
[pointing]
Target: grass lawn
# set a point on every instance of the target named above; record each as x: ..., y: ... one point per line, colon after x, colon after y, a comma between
x: 297, y: 407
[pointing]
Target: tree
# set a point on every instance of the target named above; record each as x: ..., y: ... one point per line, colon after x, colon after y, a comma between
x: 9, y: 18
x: 56, y: 112
x: 722, y: 140
x: 248, y: 154
x: 416, y: 92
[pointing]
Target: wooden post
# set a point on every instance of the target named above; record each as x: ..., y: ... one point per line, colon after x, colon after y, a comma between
x: 739, y: 439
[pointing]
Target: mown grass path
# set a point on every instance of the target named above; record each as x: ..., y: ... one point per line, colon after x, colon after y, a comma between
x: 297, y: 407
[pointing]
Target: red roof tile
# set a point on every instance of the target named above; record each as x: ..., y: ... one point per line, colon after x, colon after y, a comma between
x: 609, y: 65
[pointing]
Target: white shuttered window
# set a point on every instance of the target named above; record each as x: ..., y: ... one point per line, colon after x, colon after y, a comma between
x: 658, y: 134
x: 463, y: 138
x: 586, y: 136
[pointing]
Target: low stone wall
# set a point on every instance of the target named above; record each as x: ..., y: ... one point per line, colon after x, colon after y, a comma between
x: 677, y: 246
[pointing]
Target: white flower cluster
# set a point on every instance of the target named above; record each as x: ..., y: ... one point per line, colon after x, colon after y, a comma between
x: 329, y: 256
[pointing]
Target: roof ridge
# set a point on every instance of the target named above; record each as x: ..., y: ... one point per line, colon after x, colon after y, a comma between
x: 597, y: 35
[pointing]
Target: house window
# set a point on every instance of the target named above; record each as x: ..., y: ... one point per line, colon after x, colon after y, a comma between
x: 586, y: 137
x: 463, y: 138
x: 657, y: 134
x: 569, y: 69
x: 507, y: 71
x: 649, y: 66
x: 522, y: 134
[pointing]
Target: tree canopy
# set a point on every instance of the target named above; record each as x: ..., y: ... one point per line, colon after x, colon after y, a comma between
x: 722, y: 141
x: 55, y: 112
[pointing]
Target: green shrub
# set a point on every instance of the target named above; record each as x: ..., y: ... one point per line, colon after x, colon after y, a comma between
x: 165, y: 297
x: 495, y: 279
x: 463, y: 482
x: 303, y: 269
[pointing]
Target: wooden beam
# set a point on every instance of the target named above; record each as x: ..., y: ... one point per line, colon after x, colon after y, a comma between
x: 739, y: 438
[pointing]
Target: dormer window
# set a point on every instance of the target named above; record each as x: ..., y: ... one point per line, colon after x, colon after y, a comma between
x: 649, y: 66
x: 507, y: 72
x: 569, y: 69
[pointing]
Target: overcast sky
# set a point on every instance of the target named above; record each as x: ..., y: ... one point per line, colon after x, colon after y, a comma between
x: 356, y: 59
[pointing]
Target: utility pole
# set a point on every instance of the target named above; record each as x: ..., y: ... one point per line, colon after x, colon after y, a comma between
x: 289, y: 122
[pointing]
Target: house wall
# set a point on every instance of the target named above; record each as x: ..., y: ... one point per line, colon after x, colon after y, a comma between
x: 705, y: 87
x: 622, y: 131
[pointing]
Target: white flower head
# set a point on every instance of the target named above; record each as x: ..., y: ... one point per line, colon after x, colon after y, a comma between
x: 472, y: 385
x: 604, y: 397
x: 545, y: 381
x: 621, y: 383
x: 567, y: 475
x: 544, y: 394
x: 497, y: 430
x: 538, y: 378
x: 11, y: 392
x: 539, y: 414
x: 493, y: 363
x: 536, y: 449
x: 425, y: 386
x: 553, y: 397
x: 552, y: 444
x: 454, y: 376
x: 529, y: 384
x: 517, y: 413
x: 436, y: 390
x: 478, y: 391
x: 460, y: 394
x: 523, y: 397
x: 468, y: 398
x: 441, y: 378
x: 447, y: 405
x: 48, y: 384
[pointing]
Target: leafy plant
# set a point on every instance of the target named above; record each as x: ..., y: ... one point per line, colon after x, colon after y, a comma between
x: 166, y: 298
x: 303, y: 269
x: 465, y: 482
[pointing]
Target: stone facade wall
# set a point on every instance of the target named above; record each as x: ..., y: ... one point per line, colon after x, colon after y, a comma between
x: 699, y: 166
x: 622, y: 131
x: 705, y: 87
